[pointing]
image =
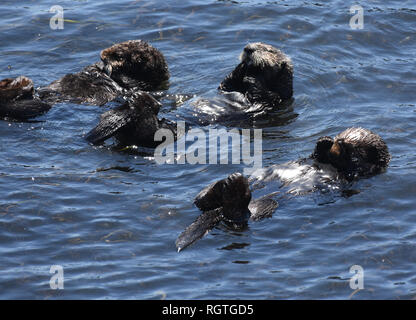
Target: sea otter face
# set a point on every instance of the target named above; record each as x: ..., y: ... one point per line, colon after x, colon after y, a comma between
x: 271, y: 69
x: 340, y: 155
x: 262, y: 55
x: 264, y: 75
x: 355, y: 151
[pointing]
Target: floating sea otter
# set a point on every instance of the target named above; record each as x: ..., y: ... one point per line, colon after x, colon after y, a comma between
x: 264, y: 78
x: 134, y: 122
x: 17, y: 99
x: 264, y: 75
x: 261, y: 84
x: 354, y: 153
x: 127, y: 66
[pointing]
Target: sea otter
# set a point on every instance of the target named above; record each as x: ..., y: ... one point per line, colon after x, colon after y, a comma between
x: 133, y: 123
x: 127, y: 66
x: 136, y: 64
x: 91, y: 86
x: 260, y: 86
x: 17, y: 99
x: 354, y: 153
x: 264, y: 75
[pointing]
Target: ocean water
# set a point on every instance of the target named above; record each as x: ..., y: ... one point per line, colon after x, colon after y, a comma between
x: 110, y: 218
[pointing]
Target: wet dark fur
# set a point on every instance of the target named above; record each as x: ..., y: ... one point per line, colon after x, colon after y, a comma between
x: 136, y: 64
x: 231, y: 194
x: 267, y: 83
x: 125, y: 66
x: 17, y: 100
x: 355, y: 152
x: 229, y: 201
x: 135, y: 122
x: 91, y: 86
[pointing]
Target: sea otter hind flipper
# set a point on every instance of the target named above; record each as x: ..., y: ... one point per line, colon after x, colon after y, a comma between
x: 110, y: 122
x: 262, y: 208
x: 199, y: 228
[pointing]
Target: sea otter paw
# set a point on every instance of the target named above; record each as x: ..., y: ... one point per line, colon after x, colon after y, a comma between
x: 229, y: 192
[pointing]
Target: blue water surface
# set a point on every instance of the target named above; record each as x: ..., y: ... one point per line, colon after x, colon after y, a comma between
x: 110, y: 218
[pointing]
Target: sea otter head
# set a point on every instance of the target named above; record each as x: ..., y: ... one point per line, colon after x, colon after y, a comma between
x: 270, y: 66
x: 136, y: 64
x: 262, y: 55
x: 354, y: 152
x: 13, y: 89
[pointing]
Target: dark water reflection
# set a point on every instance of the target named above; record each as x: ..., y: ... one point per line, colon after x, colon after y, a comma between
x: 111, y: 218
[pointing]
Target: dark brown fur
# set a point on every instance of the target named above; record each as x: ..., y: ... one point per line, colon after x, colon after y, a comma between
x: 136, y: 64
x: 264, y: 75
x: 17, y: 100
x: 135, y: 122
x: 125, y: 66
x: 355, y: 152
